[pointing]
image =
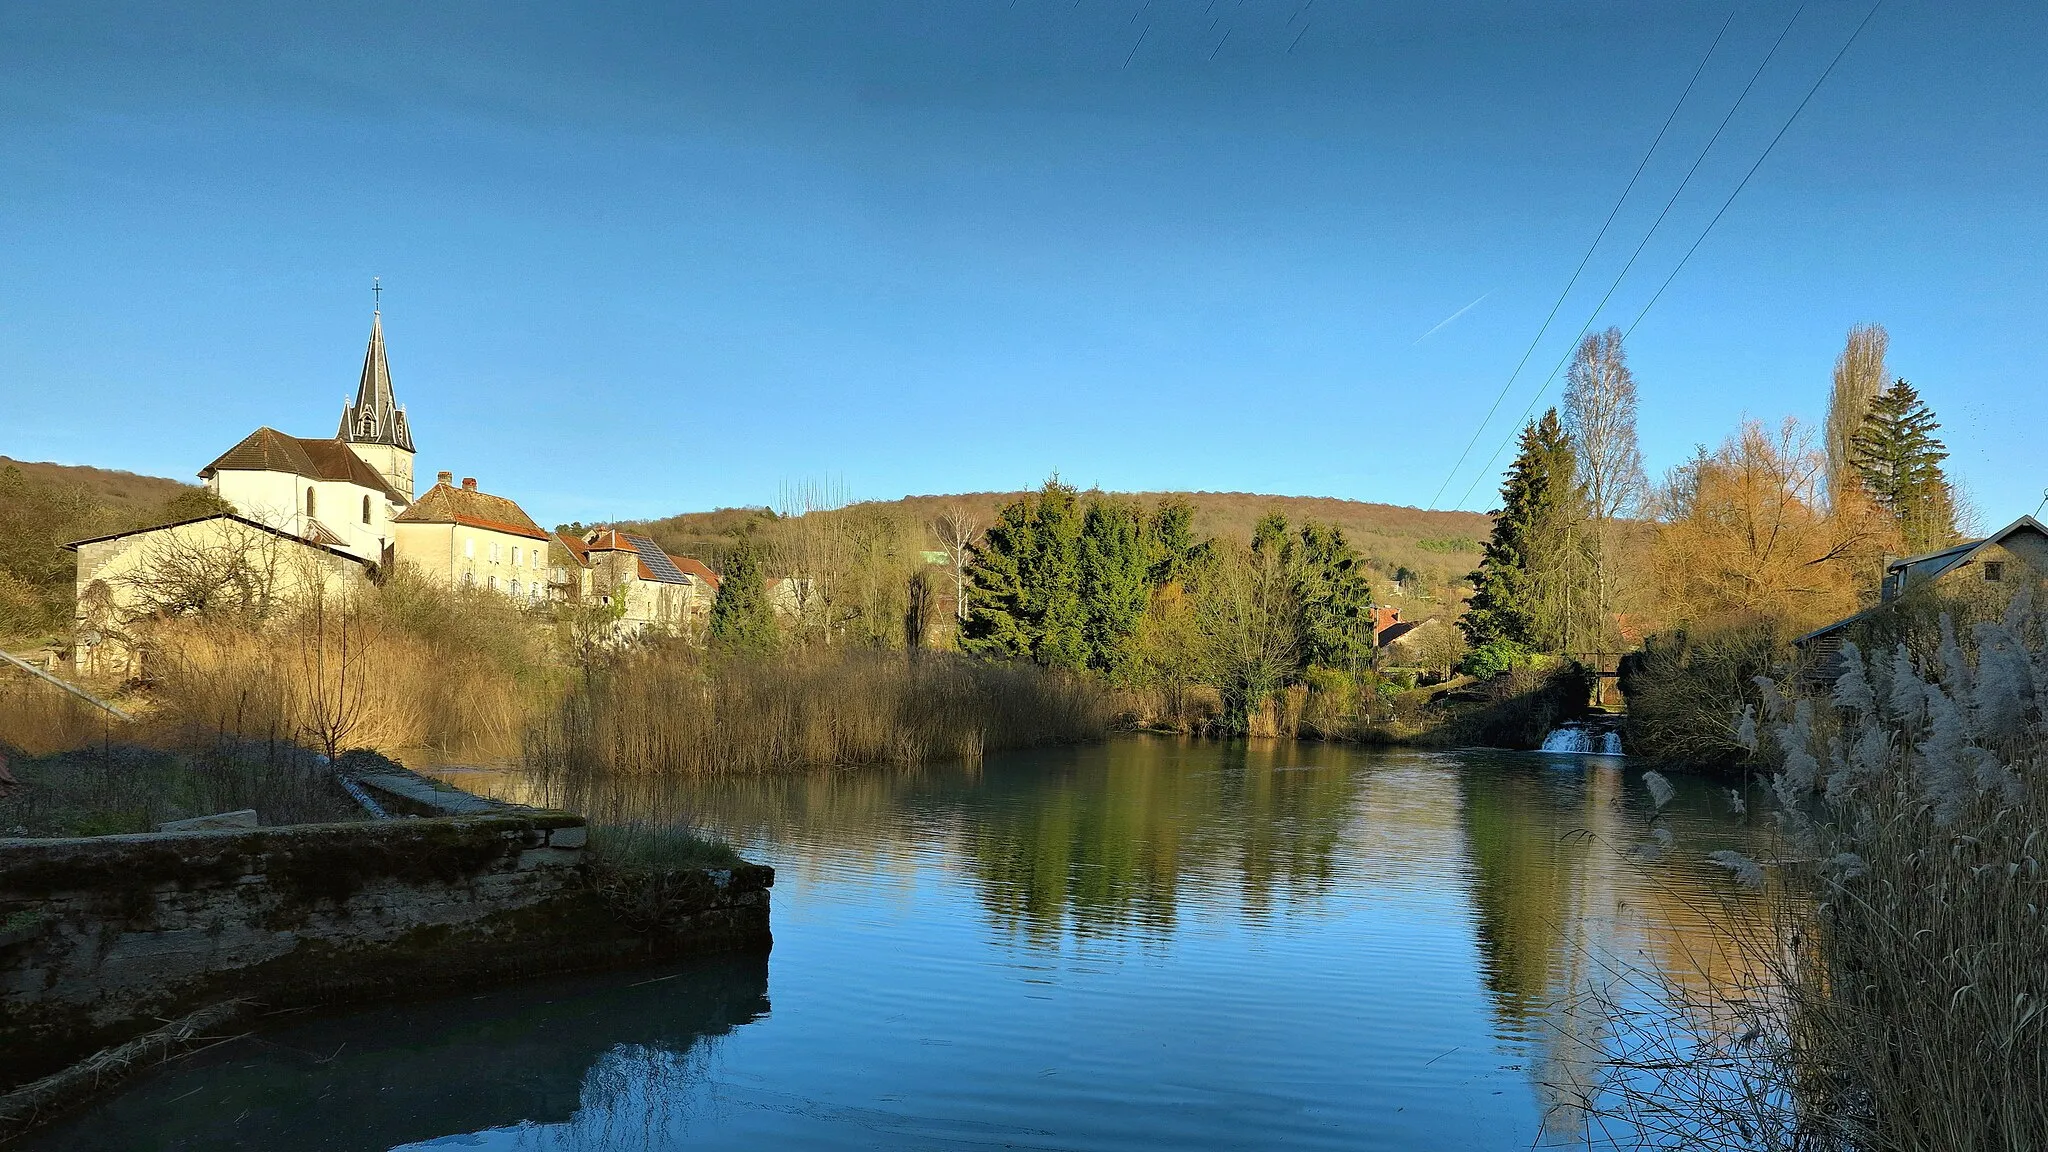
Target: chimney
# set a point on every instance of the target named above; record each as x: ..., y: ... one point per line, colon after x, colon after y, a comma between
x: 446, y: 477
x: 469, y: 483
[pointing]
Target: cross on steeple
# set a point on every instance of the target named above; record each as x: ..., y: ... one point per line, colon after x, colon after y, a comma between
x: 376, y: 294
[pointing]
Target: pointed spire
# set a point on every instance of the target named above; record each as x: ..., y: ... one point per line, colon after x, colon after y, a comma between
x: 375, y: 417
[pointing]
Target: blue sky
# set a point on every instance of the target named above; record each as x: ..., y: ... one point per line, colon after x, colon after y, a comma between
x: 670, y: 257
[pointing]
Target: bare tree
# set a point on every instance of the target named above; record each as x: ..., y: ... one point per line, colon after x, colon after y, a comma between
x: 1251, y: 620
x: 811, y: 551
x: 957, y: 529
x: 1860, y: 374
x: 222, y: 567
x: 1600, y: 416
x: 335, y: 641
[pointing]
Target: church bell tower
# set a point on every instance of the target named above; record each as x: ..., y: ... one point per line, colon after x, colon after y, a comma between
x: 375, y: 426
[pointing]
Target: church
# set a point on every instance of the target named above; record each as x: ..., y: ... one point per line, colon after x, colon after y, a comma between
x: 305, y: 513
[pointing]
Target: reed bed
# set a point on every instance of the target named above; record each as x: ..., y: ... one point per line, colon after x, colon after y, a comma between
x: 1906, y: 1005
x: 675, y: 709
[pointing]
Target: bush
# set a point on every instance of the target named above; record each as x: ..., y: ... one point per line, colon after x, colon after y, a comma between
x: 1492, y: 658
x: 1687, y: 691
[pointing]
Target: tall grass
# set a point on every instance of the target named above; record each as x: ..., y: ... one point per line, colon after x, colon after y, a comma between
x: 1909, y: 1010
x: 38, y: 718
x: 672, y: 708
x: 411, y: 665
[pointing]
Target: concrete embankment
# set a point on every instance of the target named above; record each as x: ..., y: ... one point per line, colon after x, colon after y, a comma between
x: 105, y: 939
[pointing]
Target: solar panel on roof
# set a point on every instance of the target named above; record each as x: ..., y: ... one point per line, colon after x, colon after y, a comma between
x: 657, y: 561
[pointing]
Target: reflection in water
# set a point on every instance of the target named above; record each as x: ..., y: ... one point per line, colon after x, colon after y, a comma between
x: 1153, y: 942
x: 607, y: 1052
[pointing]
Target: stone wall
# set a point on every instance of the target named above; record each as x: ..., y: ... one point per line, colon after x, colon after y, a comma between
x: 103, y: 938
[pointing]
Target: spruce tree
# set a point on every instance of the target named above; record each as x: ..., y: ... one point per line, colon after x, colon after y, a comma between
x: 1898, y: 458
x: 1174, y: 551
x: 1116, y: 584
x: 1506, y: 603
x: 1052, y: 580
x: 1024, y: 584
x: 998, y: 624
x: 1335, y: 599
x: 741, y: 616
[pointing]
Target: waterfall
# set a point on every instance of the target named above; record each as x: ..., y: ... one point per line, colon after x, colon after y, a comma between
x: 1582, y: 740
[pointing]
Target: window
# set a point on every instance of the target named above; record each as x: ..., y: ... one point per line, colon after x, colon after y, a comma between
x: 366, y: 509
x: 309, y: 503
x: 469, y: 549
x: 496, y: 553
x: 515, y: 555
x: 1994, y: 571
x: 491, y: 582
x: 515, y: 588
x: 469, y: 579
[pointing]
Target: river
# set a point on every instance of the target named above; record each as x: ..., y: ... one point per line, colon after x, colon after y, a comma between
x: 1149, y: 943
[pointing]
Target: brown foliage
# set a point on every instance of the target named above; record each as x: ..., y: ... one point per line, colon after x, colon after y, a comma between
x: 1745, y: 539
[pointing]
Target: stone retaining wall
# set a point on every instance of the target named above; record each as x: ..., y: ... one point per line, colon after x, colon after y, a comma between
x: 102, y: 939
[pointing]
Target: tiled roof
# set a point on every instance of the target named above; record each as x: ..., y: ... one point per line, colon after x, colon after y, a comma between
x: 691, y: 566
x: 331, y: 549
x: 578, y: 550
x: 447, y: 504
x: 268, y: 450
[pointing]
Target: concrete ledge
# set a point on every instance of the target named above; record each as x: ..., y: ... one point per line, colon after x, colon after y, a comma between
x: 114, y: 934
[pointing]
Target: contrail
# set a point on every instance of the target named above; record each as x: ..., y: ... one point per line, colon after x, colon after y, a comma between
x: 1453, y: 316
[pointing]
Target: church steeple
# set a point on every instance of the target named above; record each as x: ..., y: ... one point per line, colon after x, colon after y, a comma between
x: 375, y: 417
x: 374, y: 427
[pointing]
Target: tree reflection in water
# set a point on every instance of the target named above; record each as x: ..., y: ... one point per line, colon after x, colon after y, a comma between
x: 1126, y: 842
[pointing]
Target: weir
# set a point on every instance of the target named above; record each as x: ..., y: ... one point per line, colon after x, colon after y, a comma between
x: 1583, y: 738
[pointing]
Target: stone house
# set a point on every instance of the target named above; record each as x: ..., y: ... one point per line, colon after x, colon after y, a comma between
x: 652, y: 589
x: 224, y: 561
x: 468, y: 538
x: 1988, y: 571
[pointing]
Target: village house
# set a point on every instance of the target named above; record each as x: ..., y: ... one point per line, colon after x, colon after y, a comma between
x: 464, y: 537
x: 1987, y: 571
x: 221, y: 562
x: 307, y: 515
x: 650, y: 589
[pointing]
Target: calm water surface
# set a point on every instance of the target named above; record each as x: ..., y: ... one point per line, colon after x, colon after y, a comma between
x: 1151, y: 943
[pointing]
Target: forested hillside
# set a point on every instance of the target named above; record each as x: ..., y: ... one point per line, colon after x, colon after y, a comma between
x: 43, y: 506
x: 1430, y: 551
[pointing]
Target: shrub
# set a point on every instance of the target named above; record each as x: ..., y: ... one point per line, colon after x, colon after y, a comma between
x: 1492, y: 658
x: 1687, y: 691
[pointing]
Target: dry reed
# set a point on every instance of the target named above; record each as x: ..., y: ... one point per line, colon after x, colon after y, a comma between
x: 670, y: 708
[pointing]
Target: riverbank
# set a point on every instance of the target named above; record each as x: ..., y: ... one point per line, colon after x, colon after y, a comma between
x: 106, y: 938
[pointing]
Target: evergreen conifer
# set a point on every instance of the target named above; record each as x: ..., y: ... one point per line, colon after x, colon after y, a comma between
x: 741, y: 616
x: 1898, y: 458
x: 1505, y: 605
x: 1116, y: 581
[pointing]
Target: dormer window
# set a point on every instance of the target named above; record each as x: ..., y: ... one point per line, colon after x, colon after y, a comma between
x: 1994, y: 571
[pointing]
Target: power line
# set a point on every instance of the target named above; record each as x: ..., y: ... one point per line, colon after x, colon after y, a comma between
x: 1846, y: 45
x: 1569, y: 352
x: 1583, y: 260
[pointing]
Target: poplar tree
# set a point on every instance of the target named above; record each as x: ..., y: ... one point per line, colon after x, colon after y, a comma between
x: 1897, y: 458
x: 741, y: 616
x: 1859, y: 376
